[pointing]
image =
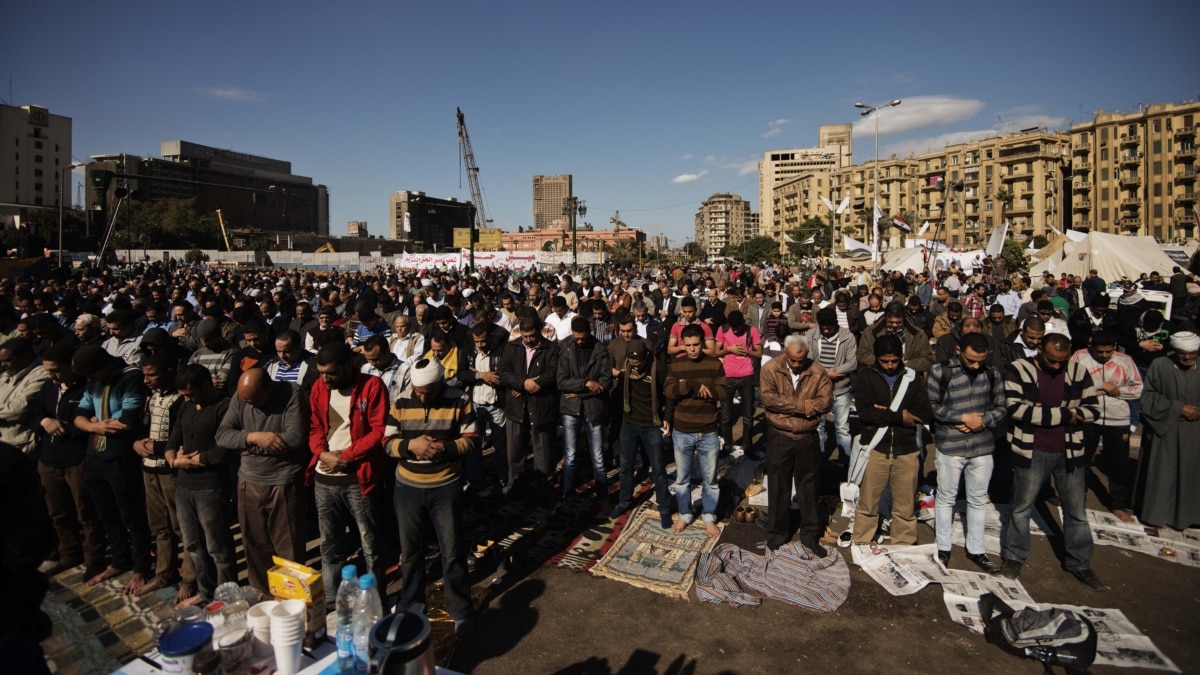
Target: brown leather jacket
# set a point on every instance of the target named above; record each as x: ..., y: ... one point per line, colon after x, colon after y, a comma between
x: 795, y: 411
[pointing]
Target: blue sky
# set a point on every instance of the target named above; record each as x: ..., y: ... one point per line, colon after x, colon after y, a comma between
x: 651, y: 106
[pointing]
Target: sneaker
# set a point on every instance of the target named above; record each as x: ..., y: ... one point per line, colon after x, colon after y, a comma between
x: 1010, y: 569
x: 1088, y: 578
x: 845, y: 539
x: 944, y: 557
x: 884, y: 533
x: 982, y: 562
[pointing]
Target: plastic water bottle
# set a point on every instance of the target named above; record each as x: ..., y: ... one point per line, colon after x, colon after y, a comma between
x: 370, y: 610
x: 347, y: 604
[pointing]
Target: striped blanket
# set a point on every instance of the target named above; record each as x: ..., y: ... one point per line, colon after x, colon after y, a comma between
x: 790, y: 573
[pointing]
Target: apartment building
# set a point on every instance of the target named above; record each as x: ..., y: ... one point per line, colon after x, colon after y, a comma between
x: 724, y: 219
x: 834, y: 150
x: 37, y: 157
x: 550, y: 195
x: 1135, y: 172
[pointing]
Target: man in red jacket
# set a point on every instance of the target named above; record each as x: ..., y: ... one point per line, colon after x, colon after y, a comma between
x: 349, y: 411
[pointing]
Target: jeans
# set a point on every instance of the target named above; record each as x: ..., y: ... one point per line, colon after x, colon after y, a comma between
x: 1072, y: 486
x: 978, y: 472
x: 164, y: 530
x: 207, y: 537
x: 652, y: 441
x: 1115, y: 459
x: 594, y: 431
x: 116, y: 489
x: 744, y: 387
x: 1135, y: 405
x: 705, y: 448
x: 439, y: 509
x: 841, y: 425
x: 338, y: 508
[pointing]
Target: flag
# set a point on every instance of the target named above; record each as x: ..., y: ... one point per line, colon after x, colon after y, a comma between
x: 810, y: 240
x: 407, y: 222
x: 826, y: 201
x: 844, y: 205
x: 902, y: 224
x: 924, y: 228
x: 875, y: 229
x: 788, y: 239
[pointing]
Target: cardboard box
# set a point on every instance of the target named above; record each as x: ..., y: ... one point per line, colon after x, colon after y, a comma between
x: 289, y: 580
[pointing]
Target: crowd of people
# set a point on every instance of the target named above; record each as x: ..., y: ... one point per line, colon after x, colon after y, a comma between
x: 163, y: 405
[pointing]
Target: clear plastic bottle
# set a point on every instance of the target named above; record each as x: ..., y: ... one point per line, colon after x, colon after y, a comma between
x: 370, y: 610
x: 347, y: 607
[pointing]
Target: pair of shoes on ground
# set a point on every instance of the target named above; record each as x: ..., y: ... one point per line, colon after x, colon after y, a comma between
x: 980, y: 560
x: 1011, y: 569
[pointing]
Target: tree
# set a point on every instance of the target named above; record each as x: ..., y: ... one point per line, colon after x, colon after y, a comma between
x: 1005, y: 197
x: 1013, y: 255
x: 194, y: 256
x: 813, y: 227
x: 692, y: 250
x: 754, y: 250
x: 1040, y: 241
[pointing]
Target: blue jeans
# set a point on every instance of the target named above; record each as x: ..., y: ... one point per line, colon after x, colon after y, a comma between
x: 704, y: 447
x: 978, y: 472
x: 339, y: 507
x: 652, y: 441
x: 207, y: 537
x: 841, y: 425
x: 595, y: 440
x: 1072, y: 487
x: 744, y: 387
x: 439, y: 509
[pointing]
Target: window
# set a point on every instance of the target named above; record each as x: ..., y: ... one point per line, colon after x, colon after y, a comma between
x: 37, y: 159
x: 37, y: 173
x: 1103, y: 154
x: 1158, y: 210
x: 1104, y: 174
x: 37, y: 187
x: 1154, y: 126
x: 987, y: 154
x: 954, y: 160
x: 1157, y: 147
x: 1104, y: 194
x: 1158, y: 189
x: 987, y: 172
x: 1104, y: 213
x: 1157, y: 168
x: 1104, y: 133
x: 987, y: 206
x: 37, y: 145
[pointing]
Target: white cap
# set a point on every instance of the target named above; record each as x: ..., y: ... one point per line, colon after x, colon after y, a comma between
x: 425, y: 372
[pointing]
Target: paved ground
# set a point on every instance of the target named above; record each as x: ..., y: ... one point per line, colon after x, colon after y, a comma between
x: 556, y: 621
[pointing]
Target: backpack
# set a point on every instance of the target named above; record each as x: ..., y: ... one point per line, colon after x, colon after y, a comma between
x: 1054, y: 636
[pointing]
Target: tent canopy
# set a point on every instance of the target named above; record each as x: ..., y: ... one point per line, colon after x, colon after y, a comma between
x: 1112, y: 256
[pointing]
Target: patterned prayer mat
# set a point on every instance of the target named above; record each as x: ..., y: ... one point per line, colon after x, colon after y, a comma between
x: 647, y: 556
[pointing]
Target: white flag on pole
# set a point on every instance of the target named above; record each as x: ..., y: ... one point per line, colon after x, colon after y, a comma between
x: 788, y: 239
x: 924, y: 227
x: 810, y: 240
x: 875, y: 230
x: 407, y: 222
x: 825, y: 200
x: 844, y: 205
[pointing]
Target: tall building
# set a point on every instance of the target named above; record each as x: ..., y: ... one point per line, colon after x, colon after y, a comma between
x: 424, y: 223
x: 834, y: 150
x: 1136, y: 172
x: 252, y: 192
x: 36, y: 158
x: 550, y: 195
x: 723, y: 220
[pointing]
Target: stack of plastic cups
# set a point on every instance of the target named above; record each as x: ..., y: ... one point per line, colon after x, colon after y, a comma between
x: 258, y: 619
x: 287, y: 635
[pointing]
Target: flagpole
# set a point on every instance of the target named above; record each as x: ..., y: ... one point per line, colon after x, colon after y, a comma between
x: 867, y: 110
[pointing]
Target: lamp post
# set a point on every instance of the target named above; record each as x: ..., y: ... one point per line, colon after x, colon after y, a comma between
x: 572, y: 206
x: 867, y: 110
x: 62, y: 179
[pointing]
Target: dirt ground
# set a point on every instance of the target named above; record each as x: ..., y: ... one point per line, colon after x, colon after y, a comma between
x: 557, y: 621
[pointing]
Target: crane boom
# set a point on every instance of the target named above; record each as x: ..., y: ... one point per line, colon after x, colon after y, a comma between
x: 224, y: 234
x: 464, y: 141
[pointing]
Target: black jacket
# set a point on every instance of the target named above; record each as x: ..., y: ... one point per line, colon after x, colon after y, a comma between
x: 540, y: 408
x: 574, y: 372
x: 870, y: 388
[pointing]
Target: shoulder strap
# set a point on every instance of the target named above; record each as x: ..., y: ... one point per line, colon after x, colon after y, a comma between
x: 905, y: 379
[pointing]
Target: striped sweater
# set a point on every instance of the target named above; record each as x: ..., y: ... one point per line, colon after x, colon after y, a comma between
x: 952, y: 393
x: 687, y: 412
x: 450, y: 419
x: 1021, y: 394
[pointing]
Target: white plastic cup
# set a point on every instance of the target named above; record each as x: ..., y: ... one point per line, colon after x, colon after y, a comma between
x: 287, y: 656
x: 259, y: 621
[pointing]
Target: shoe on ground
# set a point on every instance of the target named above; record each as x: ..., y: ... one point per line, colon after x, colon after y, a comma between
x: 845, y: 539
x: 944, y: 557
x: 982, y: 562
x: 884, y: 533
x: 813, y: 545
x: 1088, y: 578
x: 664, y: 519
x: 617, y: 511
x: 1010, y: 569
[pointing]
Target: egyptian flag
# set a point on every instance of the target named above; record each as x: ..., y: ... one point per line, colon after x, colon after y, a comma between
x: 902, y: 224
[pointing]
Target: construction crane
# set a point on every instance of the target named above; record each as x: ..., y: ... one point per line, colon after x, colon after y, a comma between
x: 221, y: 222
x: 468, y: 156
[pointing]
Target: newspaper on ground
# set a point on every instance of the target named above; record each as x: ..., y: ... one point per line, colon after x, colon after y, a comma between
x: 995, y: 528
x: 901, y: 570
x: 1119, y: 643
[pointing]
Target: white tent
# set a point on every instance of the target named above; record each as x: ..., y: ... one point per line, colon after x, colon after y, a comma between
x: 904, y: 259
x: 1112, y: 256
x: 966, y: 261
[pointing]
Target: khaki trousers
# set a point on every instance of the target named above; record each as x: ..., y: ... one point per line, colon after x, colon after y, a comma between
x: 901, y: 473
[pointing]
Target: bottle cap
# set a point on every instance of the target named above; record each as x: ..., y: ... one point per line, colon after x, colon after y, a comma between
x: 366, y: 581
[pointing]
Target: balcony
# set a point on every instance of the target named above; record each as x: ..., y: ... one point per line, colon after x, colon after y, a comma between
x: 926, y: 187
x: 1081, y: 165
x: 1185, y: 198
x: 1185, y: 131
x: 1130, y: 139
x: 1081, y: 186
x: 1185, y: 175
x: 971, y: 178
x: 1082, y: 205
x: 1131, y: 160
x: 1131, y: 180
x: 1185, y: 153
x: 1185, y: 218
x: 1130, y: 202
x: 1080, y: 148
x: 1131, y: 222
x: 1019, y: 210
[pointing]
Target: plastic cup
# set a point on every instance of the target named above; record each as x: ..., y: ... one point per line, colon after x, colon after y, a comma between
x: 234, y: 647
x: 287, y: 656
x: 258, y: 618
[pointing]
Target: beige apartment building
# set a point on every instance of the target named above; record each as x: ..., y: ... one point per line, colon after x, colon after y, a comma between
x: 724, y: 219
x: 37, y: 159
x: 833, y: 151
x: 550, y: 195
x: 1136, y: 172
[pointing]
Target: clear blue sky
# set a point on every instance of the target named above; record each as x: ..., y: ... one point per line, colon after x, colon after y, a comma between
x: 651, y: 106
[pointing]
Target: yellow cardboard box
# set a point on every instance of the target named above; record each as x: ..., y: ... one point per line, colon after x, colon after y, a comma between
x: 289, y: 580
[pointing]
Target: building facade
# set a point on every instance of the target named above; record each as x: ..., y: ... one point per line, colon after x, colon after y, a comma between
x: 724, y: 220
x: 559, y: 239
x: 252, y: 192
x: 550, y: 197
x: 834, y: 150
x: 1136, y: 172
x: 424, y: 223
x: 36, y: 159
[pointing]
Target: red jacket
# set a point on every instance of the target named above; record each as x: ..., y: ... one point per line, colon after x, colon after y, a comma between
x: 368, y: 416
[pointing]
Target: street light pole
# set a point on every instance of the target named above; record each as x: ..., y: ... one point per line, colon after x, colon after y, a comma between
x: 571, y: 207
x: 62, y: 179
x: 867, y: 110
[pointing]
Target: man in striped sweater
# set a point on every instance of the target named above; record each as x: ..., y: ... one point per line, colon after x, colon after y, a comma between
x: 1050, y: 400
x: 694, y: 389
x: 432, y: 429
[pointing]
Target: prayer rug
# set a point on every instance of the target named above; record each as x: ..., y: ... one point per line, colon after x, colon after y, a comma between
x: 647, y: 556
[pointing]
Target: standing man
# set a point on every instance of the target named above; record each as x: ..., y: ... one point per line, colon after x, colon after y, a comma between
x: 739, y: 346
x: 267, y: 422
x: 1049, y: 402
x: 408, y: 345
x: 695, y: 386
x: 1117, y: 382
x: 21, y: 380
x: 796, y: 395
x: 1168, y: 466
x: 967, y: 396
x: 528, y: 372
x: 687, y: 317
x: 584, y: 378
x: 644, y: 406
x: 432, y: 428
x: 345, y: 434
x: 835, y: 348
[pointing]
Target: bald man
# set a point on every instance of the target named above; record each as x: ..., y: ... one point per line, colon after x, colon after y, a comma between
x: 266, y: 420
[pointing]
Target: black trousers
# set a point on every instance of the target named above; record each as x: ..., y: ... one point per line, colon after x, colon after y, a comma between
x: 1114, y: 460
x: 117, y: 491
x: 791, y: 462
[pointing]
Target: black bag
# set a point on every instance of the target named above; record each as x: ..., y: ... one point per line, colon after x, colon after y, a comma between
x: 1055, y: 636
